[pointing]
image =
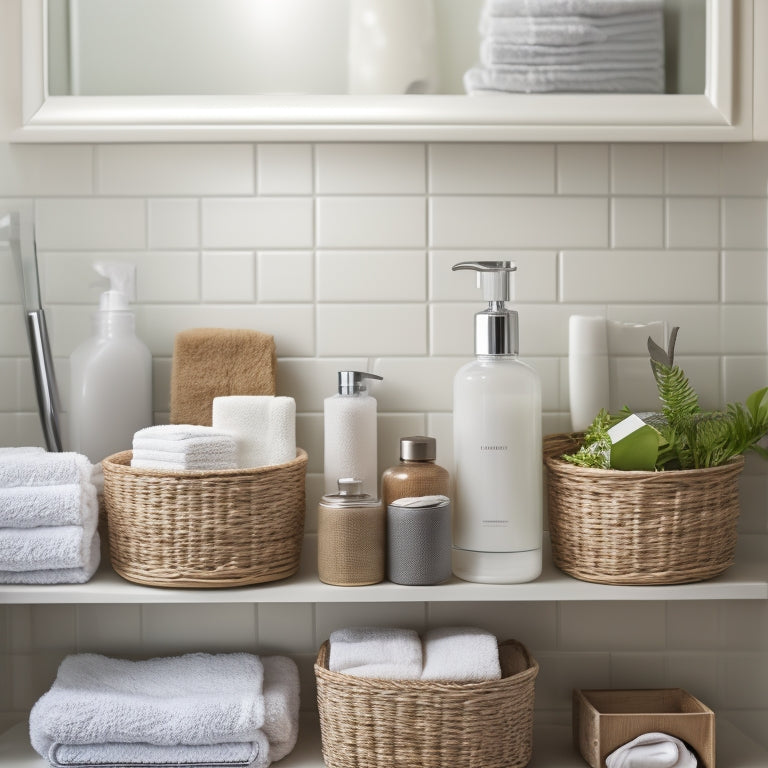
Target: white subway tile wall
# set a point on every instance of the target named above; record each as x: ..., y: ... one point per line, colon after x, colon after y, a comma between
x: 343, y: 252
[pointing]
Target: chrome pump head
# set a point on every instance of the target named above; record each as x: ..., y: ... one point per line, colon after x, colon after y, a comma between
x: 496, y: 331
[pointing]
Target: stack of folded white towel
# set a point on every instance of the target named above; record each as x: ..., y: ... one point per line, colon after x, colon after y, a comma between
x: 48, y: 517
x: 179, y: 447
x: 538, y: 46
x: 230, y: 710
x: 462, y: 654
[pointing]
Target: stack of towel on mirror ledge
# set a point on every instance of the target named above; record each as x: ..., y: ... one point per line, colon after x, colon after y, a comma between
x: 48, y: 517
x: 230, y: 710
x: 465, y: 654
x: 539, y: 46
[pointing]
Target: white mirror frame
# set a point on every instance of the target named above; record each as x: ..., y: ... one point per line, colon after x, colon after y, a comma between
x: 722, y: 113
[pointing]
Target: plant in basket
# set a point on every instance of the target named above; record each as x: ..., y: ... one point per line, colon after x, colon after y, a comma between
x: 652, y: 498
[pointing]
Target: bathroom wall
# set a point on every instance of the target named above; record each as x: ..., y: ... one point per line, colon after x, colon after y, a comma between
x: 343, y: 252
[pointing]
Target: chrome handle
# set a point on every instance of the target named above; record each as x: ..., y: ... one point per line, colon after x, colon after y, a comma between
x: 45, y: 379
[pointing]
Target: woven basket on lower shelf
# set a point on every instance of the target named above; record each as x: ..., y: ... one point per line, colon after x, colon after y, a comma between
x: 617, y: 527
x: 371, y: 723
x: 220, y: 528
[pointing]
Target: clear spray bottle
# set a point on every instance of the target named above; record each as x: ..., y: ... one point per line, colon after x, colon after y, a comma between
x: 497, y: 521
x: 110, y: 373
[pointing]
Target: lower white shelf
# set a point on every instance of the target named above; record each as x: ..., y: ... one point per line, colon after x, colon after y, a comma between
x: 553, y: 748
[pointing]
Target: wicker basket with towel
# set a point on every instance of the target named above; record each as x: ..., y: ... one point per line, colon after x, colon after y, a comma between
x: 407, y: 712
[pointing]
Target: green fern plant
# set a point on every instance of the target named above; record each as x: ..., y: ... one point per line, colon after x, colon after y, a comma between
x: 691, y: 438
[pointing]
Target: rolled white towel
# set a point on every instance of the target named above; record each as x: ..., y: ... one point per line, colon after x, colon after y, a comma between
x: 264, y: 427
x: 652, y: 750
x: 34, y: 468
x: 79, y: 575
x: 460, y: 653
x: 281, y: 705
x: 32, y: 506
x: 193, y: 699
x: 569, y: 7
x: 377, y: 652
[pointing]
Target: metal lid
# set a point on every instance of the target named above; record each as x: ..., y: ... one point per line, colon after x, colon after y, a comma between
x: 418, y: 448
x: 350, y: 494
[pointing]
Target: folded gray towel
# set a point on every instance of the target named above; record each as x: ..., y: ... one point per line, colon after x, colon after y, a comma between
x: 254, y: 754
x: 194, y: 699
x: 553, y: 79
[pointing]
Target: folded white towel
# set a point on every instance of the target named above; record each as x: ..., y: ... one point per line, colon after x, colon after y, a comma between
x: 194, y: 699
x: 378, y: 652
x: 46, y: 547
x: 31, y: 506
x: 569, y: 7
x: 32, y: 468
x: 58, y: 575
x: 249, y: 754
x: 6, y: 451
x: 281, y: 705
x: 575, y: 79
x: 460, y: 653
x: 652, y: 750
x: 179, y: 447
x: 498, y: 51
x: 263, y: 426
x: 572, y: 30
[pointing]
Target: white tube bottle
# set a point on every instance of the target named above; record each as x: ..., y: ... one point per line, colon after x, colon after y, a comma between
x: 110, y: 373
x: 497, y: 523
x: 350, y: 434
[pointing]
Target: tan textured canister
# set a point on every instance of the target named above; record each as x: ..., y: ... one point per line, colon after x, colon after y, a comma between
x: 416, y: 474
x: 351, y: 539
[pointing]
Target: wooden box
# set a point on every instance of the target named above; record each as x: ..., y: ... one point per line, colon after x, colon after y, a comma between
x: 603, y: 720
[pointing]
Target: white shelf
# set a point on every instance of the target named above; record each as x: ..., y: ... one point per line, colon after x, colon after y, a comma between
x: 553, y: 748
x: 747, y: 579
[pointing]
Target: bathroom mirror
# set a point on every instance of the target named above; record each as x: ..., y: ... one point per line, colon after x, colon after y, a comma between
x: 128, y: 70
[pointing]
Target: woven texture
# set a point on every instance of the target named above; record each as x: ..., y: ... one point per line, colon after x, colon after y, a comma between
x: 367, y: 723
x: 204, y: 529
x: 615, y: 527
x: 351, y: 544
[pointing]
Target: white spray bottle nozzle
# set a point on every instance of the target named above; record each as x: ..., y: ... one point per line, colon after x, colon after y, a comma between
x: 122, y: 285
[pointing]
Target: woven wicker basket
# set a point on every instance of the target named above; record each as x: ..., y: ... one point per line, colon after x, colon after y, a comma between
x: 219, y: 528
x: 368, y: 723
x: 616, y: 527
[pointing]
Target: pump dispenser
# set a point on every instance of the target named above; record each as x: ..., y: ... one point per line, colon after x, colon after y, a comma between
x: 350, y: 433
x: 111, y: 372
x: 497, y: 521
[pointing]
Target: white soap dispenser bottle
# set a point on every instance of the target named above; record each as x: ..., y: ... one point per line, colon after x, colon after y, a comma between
x: 351, y: 442
x: 110, y: 373
x: 497, y: 522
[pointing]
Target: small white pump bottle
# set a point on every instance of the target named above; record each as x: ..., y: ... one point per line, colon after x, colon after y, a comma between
x: 497, y: 523
x: 351, y: 444
x: 110, y: 373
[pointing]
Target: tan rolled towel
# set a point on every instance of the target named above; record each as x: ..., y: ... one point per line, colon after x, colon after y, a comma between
x: 215, y: 362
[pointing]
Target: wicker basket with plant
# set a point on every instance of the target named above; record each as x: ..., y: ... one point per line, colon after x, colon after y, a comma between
x: 652, y: 498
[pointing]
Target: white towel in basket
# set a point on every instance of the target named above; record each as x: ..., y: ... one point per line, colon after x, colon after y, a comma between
x: 464, y: 654
x: 379, y: 652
